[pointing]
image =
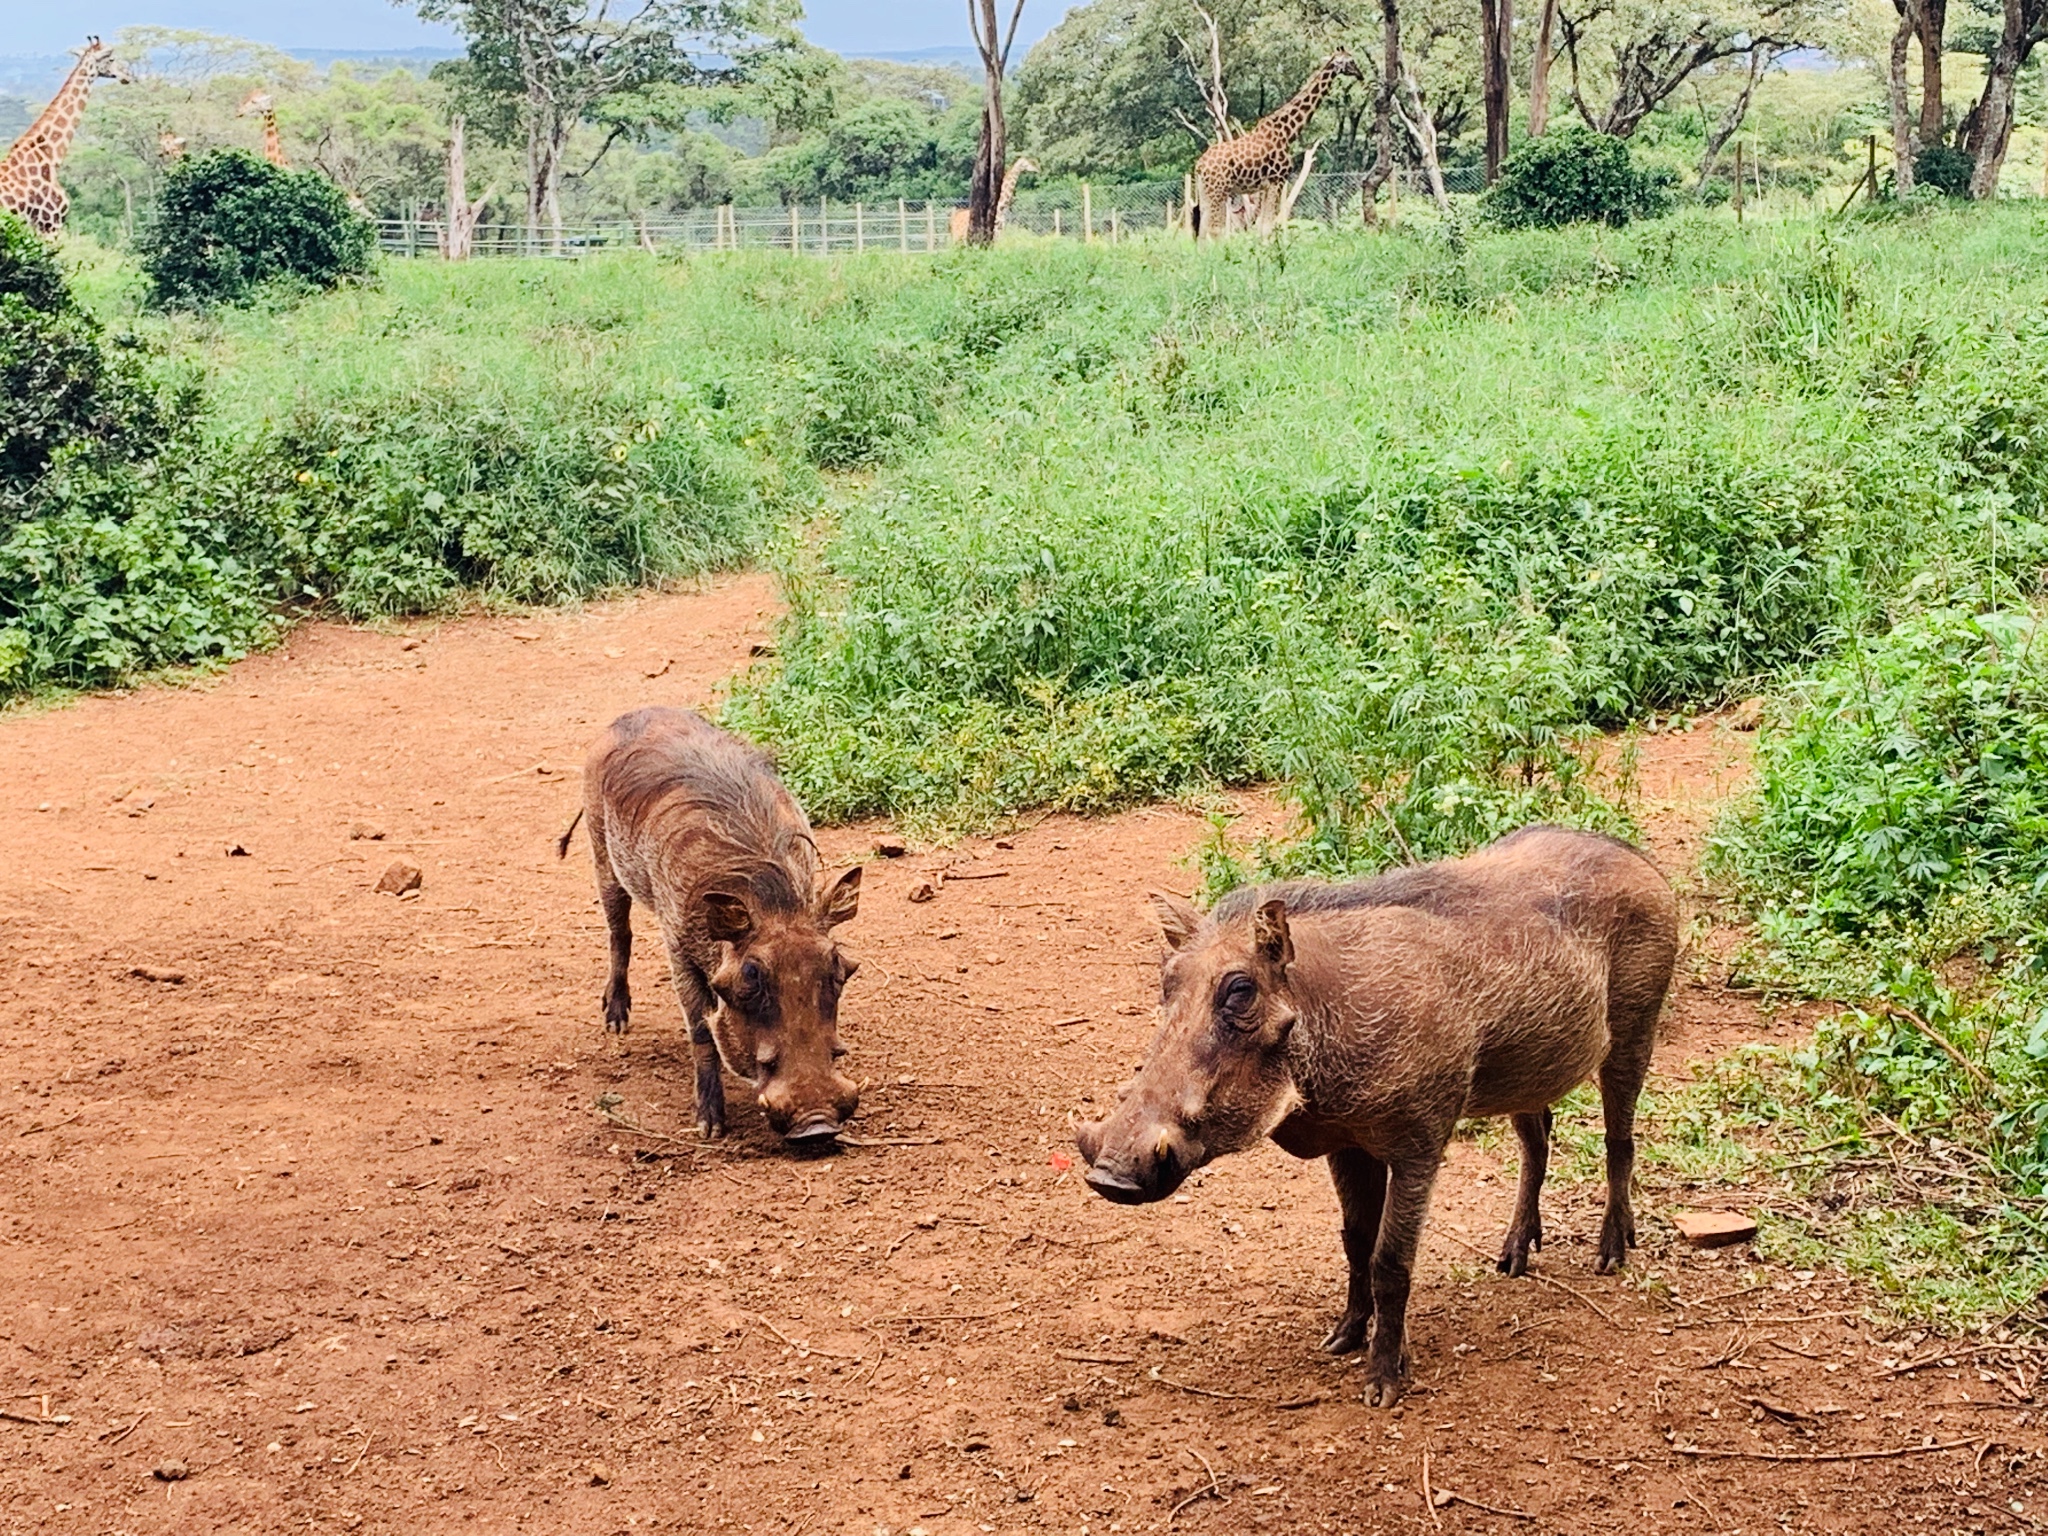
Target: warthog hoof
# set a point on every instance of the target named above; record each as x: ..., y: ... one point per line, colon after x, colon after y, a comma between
x: 1617, y: 1236
x: 1383, y: 1391
x: 1347, y: 1333
x: 618, y: 1010
x: 1514, y: 1253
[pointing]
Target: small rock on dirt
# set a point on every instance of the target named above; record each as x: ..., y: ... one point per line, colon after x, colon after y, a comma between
x: 237, y: 851
x: 890, y: 847
x: 363, y: 832
x: 600, y: 1474
x: 399, y: 878
x: 156, y: 973
x: 171, y: 1471
x: 411, y: 643
x: 1714, y: 1229
x: 923, y: 891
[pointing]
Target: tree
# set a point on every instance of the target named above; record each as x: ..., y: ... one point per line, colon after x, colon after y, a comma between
x: 1987, y: 132
x: 1496, y: 50
x: 540, y: 67
x: 991, y: 155
x: 1757, y: 62
x: 1651, y: 49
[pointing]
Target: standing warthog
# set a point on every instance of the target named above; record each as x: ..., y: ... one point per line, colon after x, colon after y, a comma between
x: 693, y: 823
x: 1361, y: 1022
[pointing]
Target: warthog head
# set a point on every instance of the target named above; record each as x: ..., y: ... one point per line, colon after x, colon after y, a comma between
x: 778, y: 981
x: 1216, y: 1077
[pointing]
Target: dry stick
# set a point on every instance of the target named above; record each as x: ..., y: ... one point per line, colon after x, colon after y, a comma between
x: 37, y: 1129
x: 368, y: 1441
x: 641, y: 1130
x: 1215, y: 1489
x: 949, y: 1317
x: 22, y: 1418
x: 1454, y: 1497
x: 1903, y: 1450
x: 891, y: 1141
x: 1088, y: 1359
x: 1952, y: 1353
x: 1571, y: 1291
x: 1429, y: 1495
x: 803, y: 1349
x: 113, y: 1437
x: 1900, y: 1011
x: 1285, y: 1403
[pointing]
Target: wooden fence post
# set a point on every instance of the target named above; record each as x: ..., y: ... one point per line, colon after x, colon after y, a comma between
x: 860, y: 243
x: 1738, y: 181
x: 1116, y: 229
x: 796, y: 227
x: 824, y: 226
x: 1055, y: 221
x: 1087, y: 214
x: 931, y: 228
x: 903, y: 226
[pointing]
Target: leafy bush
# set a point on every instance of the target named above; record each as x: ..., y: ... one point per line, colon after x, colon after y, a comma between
x: 1912, y: 770
x: 59, y: 385
x: 228, y: 225
x: 1575, y: 176
x: 1945, y: 169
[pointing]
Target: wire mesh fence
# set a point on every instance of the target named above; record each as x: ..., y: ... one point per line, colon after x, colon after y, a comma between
x: 1077, y: 211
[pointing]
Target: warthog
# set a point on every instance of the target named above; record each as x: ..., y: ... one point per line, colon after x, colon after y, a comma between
x: 1361, y: 1022
x: 693, y: 823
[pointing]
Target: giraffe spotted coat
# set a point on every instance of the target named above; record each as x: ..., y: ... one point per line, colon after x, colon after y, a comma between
x: 1257, y: 163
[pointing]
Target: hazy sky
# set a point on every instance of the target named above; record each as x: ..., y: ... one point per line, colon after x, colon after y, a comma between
x: 849, y: 26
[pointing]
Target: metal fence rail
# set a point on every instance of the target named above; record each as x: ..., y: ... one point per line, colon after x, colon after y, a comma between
x: 1081, y: 212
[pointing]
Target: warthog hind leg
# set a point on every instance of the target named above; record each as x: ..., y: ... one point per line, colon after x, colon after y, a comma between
x: 1393, y: 1270
x: 1526, y: 1231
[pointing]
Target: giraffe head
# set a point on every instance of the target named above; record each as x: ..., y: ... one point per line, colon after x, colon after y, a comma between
x: 1341, y: 63
x: 169, y: 147
x: 96, y: 59
x: 257, y: 104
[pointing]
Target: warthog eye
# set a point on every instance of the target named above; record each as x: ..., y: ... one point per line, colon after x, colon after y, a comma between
x: 1237, y: 996
x: 752, y: 976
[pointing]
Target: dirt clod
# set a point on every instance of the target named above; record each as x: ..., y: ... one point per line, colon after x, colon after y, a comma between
x: 1714, y: 1229
x: 170, y: 1470
x: 600, y: 1474
x: 922, y: 891
x: 890, y: 847
x: 156, y: 973
x: 399, y: 878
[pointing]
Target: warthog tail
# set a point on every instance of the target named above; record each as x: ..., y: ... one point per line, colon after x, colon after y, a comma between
x: 562, y: 842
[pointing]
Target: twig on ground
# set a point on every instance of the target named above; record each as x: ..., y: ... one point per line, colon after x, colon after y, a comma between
x: 1948, y: 1046
x: 1429, y: 1495
x: 804, y: 1349
x: 1214, y: 1490
x: 37, y: 1130
x: 115, y: 1437
x: 1087, y: 1359
x: 1452, y: 1496
x: 890, y: 1141
x: 368, y: 1441
x: 1902, y: 1450
x: 22, y: 1418
x: 1182, y: 1386
x: 949, y: 1317
x: 624, y: 1124
x: 1569, y: 1290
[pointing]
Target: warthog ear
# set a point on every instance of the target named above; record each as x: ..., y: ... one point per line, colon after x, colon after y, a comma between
x: 1177, y: 920
x: 1270, y: 936
x: 726, y: 917
x: 842, y: 901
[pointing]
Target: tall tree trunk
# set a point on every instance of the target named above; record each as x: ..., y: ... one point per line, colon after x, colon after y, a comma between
x: 985, y: 190
x: 1383, y: 109
x: 1903, y: 147
x: 1987, y: 133
x: 1731, y: 120
x: 1422, y: 128
x: 1496, y: 42
x: 1933, y: 16
x: 1539, y: 70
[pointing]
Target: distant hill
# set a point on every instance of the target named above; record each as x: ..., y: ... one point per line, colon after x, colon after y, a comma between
x: 37, y: 75
x: 948, y: 57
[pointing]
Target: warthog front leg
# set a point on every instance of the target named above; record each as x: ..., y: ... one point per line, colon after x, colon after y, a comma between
x: 1361, y: 1181
x: 697, y: 1004
x: 618, y: 917
x: 1526, y: 1231
x: 1620, y: 1084
x: 1393, y: 1269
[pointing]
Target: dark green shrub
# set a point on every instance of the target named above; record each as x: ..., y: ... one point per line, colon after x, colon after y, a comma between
x: 59, y: 386
x: 1575, y: 176
x: 1945, y: 169
x: 229, y: 225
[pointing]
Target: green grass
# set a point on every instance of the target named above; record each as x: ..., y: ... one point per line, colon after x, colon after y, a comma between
x: 1405, y: 522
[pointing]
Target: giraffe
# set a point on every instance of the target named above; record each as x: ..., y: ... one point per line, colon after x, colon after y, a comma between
x: 957, y: 219
x: 170, y: 149
x: 28, y: 174
x: 260, y: 105
x: 1257, y: 162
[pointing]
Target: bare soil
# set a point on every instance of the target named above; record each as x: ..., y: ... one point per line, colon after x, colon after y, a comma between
x: 319, y: 1208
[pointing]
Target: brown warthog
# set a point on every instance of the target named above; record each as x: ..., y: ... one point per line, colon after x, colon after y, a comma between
x: 1361, y: 1022
x: 693, y: 823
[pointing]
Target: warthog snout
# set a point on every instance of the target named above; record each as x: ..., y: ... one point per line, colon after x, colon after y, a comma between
x: 1135, y: 1164
x: 809, y: 1114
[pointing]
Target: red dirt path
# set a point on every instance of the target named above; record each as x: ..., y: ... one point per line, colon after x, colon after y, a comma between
x: 336, y: 1225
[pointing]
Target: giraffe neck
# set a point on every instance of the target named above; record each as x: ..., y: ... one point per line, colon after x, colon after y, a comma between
x: 273, y: 146
x: 52, y: 132
x: 1285, y: 122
